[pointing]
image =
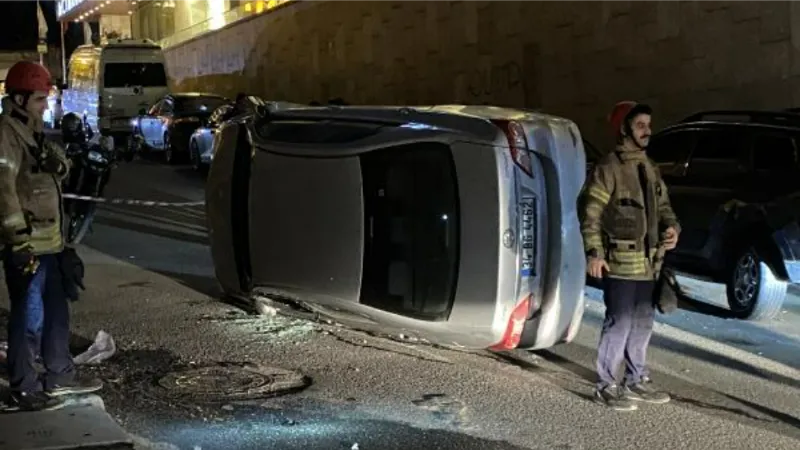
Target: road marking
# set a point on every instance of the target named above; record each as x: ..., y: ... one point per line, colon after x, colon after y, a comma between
x: 125, y: 217
x: 158, y: 219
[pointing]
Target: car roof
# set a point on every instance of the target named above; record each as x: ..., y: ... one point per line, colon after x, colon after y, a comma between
x: 469, y: 119
x: 754, y: 119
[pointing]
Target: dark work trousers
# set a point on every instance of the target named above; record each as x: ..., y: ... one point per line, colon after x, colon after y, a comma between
x: 55, y: 330
x: 626, y: 330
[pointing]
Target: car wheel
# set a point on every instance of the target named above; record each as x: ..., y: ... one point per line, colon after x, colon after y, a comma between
x: 169, y: 150
x: 194, y: 155
x: 754, y: 292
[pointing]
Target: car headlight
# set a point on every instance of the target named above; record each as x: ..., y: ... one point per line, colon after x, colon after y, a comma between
x: 97, y: 157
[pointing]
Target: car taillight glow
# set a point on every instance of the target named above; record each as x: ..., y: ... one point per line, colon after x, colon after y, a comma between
x: 517, y: 144
x: 516, y: 323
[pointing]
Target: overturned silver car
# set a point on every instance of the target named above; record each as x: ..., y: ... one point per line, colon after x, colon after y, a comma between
x: 456, y: 224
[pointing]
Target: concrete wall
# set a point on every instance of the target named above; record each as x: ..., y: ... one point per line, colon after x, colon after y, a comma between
x: 570, y: 58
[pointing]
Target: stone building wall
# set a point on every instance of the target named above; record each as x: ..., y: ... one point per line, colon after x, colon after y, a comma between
x: 569, y: 58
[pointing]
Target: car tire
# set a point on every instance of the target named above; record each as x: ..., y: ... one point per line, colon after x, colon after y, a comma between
x: 755, y: 293
x: 169, y: 150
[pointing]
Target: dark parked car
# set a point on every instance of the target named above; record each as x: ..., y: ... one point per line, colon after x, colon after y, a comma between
x: 731, y: 177
x: 201, y: 149
x: 170, y: 122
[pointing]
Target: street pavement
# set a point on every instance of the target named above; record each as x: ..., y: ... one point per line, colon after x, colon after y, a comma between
x: 736, y: 385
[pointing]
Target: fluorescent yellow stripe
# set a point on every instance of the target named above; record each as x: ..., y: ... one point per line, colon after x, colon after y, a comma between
x: 623, y: 256
x: 14, y: 221
x: 598, y: 194
x: 593, y: 242
x: 594, y: 209
x: 628, y: 269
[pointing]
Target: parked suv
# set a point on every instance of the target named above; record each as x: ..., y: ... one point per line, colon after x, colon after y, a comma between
x: 731, y: 177
x: 456, y: 223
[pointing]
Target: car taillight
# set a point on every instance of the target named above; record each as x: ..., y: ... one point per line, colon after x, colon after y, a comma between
x: 517, y: 144
x: 516, y: 323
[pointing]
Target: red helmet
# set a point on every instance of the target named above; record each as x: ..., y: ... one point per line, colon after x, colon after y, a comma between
x: 26, y: 76
x: 623, y: 111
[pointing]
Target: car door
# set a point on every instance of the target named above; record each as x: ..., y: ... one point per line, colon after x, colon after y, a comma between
x: 146, y: 123
x: 714, y: 175
x: 774, y: 167
x: 163, y: 120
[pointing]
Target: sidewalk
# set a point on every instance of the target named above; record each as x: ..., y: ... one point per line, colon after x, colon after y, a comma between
x: 83, y: 423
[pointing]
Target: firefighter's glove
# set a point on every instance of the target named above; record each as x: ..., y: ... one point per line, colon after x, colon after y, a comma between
x: 23, y: 258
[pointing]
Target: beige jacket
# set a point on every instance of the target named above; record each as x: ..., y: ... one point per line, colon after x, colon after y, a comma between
x: 30, y: 200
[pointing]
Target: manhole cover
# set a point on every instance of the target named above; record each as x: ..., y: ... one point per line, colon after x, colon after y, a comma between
x: 232, y: 382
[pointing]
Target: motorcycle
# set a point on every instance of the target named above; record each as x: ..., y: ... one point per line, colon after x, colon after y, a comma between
x: 92, y: 160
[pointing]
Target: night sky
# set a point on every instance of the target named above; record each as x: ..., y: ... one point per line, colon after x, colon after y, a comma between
x: 19, y: 30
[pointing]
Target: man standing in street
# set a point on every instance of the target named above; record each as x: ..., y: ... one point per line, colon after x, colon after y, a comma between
x: 31, y: 170
x: 626, y: 217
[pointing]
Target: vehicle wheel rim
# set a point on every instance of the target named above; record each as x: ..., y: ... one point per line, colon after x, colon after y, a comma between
x: 745, y: 279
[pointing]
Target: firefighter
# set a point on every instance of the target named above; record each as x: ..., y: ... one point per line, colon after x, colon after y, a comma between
x: 31, y: 170
x: 626, y: 219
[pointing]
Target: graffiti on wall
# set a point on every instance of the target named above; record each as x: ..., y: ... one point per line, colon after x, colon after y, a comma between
x: 498, y: 84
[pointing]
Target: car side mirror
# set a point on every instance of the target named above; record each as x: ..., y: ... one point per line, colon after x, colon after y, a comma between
x: 142, y: 112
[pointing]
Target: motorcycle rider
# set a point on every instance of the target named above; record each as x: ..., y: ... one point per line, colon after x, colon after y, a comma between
x: 31, y: 169
x: 72, y: 130
x: 626, y: 217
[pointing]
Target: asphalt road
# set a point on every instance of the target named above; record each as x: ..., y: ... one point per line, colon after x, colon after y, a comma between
x: 736, y: 385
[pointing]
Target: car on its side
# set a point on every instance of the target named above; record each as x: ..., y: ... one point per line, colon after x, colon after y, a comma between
x: 457, y: 224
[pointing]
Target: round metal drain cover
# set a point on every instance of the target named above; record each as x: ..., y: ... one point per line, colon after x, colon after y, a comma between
x: 232, y: 382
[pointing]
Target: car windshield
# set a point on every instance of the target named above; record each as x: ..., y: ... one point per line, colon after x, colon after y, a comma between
x: 117, y: 75
x: 201, y: 104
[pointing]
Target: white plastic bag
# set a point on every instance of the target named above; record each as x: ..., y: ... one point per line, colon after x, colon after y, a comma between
x: 102, y: 349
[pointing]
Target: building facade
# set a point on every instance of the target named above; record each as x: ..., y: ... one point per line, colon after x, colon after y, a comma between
x: 574, y: 59
x: 113, y: 17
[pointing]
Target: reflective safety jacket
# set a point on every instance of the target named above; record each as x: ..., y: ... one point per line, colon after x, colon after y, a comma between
x: 30, y: 199
x: 624, y: 210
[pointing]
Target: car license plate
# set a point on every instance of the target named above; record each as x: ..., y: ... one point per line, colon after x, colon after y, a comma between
x: 120, y: 123
x: 528, y: 238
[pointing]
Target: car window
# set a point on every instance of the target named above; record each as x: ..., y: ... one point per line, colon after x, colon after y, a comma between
x: 671, y: 147
x: 202, y: 104
x: 720, y: 145
x: 411, y: 209
x: 774, y: 152
x: 127, y: 74
x: 720, y: 153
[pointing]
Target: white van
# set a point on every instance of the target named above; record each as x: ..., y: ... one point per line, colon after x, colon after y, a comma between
x: 109, y: 85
